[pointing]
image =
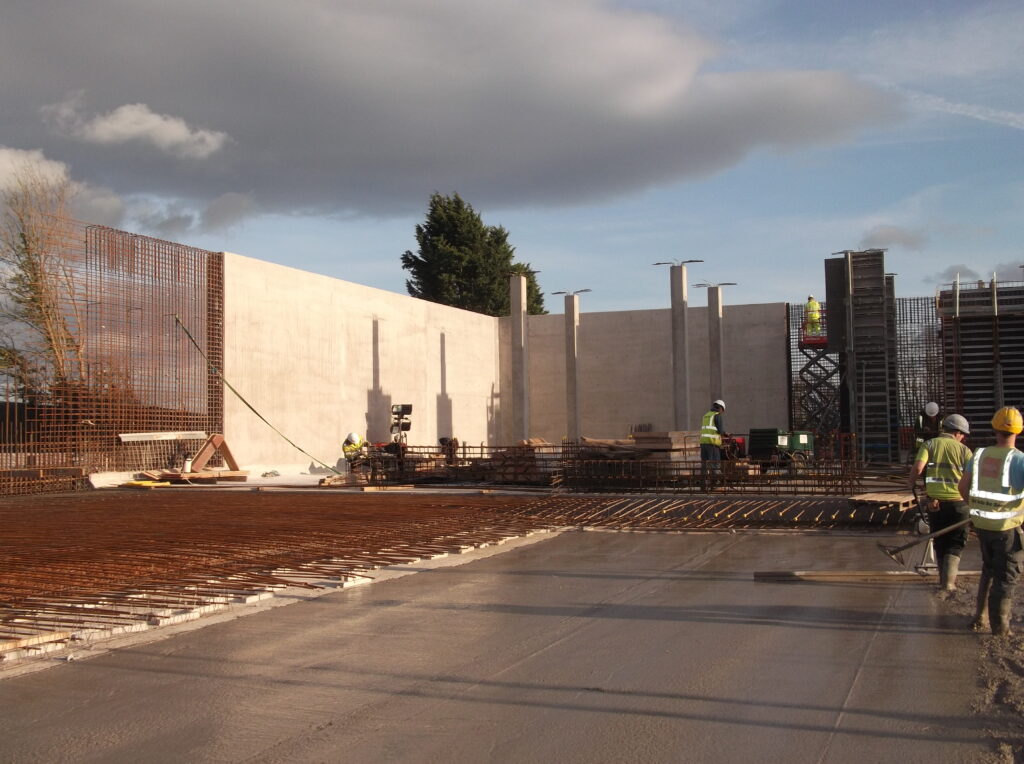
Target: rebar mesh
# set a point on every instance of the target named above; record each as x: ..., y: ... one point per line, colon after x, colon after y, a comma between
x: 982, y: 341
x: 815, y: 381
x: 126, y: 366
x: 920, y: 365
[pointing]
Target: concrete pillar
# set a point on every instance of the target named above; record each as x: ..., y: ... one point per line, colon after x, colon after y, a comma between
x: 715, y: 341
x: 572, y: 396
x: 680, y: 350
x: 520, y: 358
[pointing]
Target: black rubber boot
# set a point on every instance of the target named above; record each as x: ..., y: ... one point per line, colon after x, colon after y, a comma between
x: 981, y: 622
x: 1001, y: 607
x: 947, y: 573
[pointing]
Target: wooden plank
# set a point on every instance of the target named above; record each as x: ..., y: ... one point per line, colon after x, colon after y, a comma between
x: 38, y: 639
x: 135, y: 437
x: 884, y: 497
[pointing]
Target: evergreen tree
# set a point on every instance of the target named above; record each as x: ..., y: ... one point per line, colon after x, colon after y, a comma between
x: 463, y: 263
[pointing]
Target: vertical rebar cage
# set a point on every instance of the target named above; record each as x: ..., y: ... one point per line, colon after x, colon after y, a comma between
x: 123, y: 365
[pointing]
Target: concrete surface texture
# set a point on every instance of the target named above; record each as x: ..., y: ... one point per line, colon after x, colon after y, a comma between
x: 625, y: 370
x: 590, y: 647
x: 320, y: 357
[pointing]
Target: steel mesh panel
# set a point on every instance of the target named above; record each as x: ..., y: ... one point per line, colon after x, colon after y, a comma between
x: 919, y: 345
x: 127, y: 367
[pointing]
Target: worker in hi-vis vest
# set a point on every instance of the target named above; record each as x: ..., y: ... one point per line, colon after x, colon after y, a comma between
x: 353, y: 450
x: 813, y: 315
x: 993, y: 485
x: 942, y: 461
x: 711, y: 434
x: 927, y: 425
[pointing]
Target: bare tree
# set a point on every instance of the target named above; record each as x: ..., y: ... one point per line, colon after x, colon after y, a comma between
x: 39, y: 347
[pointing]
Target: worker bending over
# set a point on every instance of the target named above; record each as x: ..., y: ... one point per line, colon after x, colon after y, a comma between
x: 942, y: 460
x: 993, y: 485
x: 354, y: 450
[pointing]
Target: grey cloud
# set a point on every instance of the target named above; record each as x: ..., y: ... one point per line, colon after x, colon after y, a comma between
x: 950, y: 274
x: 227, y: 210
x: 164, y: 220
x: 368, y: 107
x: 98, y: 205
x: 1010, y: 271
x: 886, y: 236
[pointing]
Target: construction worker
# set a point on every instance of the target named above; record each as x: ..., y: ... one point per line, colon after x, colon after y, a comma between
x: 813, y: 315
x: 993, y: 485
x: 353, y: 450
x: 711, y: 434
x: 927, y: 425
x: 942, y: 460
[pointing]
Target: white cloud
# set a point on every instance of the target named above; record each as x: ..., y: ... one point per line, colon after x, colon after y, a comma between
x: 975, y: 40
x: 134, y: 122
x: 14, y: 162
x: 983, y: 113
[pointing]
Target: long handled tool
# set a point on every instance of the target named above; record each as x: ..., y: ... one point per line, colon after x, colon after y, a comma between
x: 896, y: 552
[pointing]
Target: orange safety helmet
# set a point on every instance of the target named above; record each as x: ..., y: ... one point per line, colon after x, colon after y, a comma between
x: 1008, y: 419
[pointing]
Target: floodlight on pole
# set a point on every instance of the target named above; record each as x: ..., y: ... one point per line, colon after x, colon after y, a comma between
x: 565, y: 291
x: 684, y: 262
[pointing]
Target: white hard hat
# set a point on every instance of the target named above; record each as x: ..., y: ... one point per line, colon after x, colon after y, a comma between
x: 719, y: 402
x: 352, y: 437
x: 957, y: 423
x: 931, y: 408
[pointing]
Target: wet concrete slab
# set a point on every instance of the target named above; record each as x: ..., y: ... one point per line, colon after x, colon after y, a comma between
x: 591, y: 646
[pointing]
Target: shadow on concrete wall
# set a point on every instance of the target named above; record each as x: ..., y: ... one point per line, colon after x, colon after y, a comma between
x: 493, y: 414
x: 445, y: 423
x: 378, y: 405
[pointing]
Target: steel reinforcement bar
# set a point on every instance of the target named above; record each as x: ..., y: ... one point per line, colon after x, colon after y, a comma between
x: 76, y: 566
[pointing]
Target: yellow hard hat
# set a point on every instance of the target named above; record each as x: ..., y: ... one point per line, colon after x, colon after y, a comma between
x: 1008, y: 419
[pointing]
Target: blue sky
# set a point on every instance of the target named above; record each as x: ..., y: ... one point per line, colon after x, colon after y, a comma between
x: 757, y: 135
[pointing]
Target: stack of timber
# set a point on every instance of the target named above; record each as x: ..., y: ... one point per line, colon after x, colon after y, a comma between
x: 611, y: 448
x: 345, y: 479
x: 518, y: 464
x: 203, y: 476
x: 671, y: 446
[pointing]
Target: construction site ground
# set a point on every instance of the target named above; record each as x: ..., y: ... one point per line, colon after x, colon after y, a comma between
x: 494, y: 630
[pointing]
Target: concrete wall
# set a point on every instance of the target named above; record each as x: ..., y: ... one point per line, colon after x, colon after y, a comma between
x: 626, y: 372
x: 320, y: 357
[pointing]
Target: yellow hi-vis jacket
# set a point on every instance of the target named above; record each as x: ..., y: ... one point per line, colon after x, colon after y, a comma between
x: 352, y: 450
x: 946, y: 457
x: 993, y: 504
x: 813, y: 311
x: 709, y: 434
